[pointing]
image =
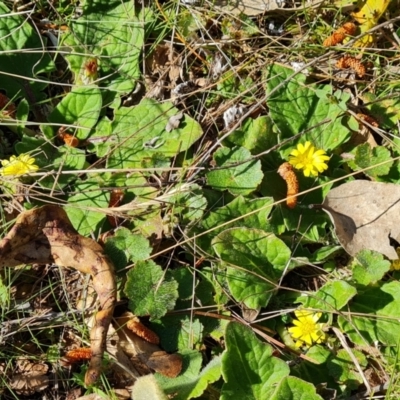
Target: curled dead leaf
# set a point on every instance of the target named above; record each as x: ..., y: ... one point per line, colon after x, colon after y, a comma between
x: 44, y: 236
x: 174, y: 122
x: 146, y: 353
x: 366, y: 215
x: 169, y: 365
x: 27, y: 385
x: 31, y: 378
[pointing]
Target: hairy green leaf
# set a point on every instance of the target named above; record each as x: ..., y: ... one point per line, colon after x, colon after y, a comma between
x: 255, y: 262
x: 150, y: 290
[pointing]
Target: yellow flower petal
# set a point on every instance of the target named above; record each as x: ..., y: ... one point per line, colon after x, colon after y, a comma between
x: 306, y: 329
x: 307, y: 158
x: 21, y: 165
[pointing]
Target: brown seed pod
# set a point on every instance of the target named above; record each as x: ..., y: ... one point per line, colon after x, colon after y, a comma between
x: 116, y: 197
x: 68, y: 139
x: 334, y: 39
x: 367, y: 118
x: 340, y: 34
x: 7, y: 107
x: 76, y: 355
x: 353, y: 63
x: 287, y: 173
x: 142, y: 331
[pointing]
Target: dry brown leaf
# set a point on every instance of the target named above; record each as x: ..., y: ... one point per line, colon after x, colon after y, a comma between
x: 174, y: 122
x: 169, y: 365
x: 45, y: 236
x: 365, y: 215
x: 144, y: 352
x: 28, y: 384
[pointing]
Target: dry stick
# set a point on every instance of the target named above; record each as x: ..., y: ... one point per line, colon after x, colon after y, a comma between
x: 342, y: 340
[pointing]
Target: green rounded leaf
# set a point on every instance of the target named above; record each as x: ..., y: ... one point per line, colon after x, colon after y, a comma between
x: 237, y: 175
x: 138, y: 135
x: 248, y: 367
x: 126, y: 246
x: 19, y: 65
x: 84, y: 220
x: 255, y: 262
x: 192, y: 382
x: 374, y: 315
x: 79, y: 108
x: 369, y: 267
x: 294, y: 389
x: 298, y: 106
x: 333, y: 296
x: 254, y: 213
x: 109, y: 33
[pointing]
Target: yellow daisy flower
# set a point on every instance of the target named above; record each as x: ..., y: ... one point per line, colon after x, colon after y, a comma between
x: 21, y: 165
x: 311, y: 161
x: 306, y: 330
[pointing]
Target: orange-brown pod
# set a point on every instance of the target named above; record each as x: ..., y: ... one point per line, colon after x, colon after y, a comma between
x: 340, y: 34
x: 287, y: 173
x: 77, y: 355
x: 353, y: 63
x: 142, y: 331
x: 116, y: 197
x: 367, y: 118
x: 68, y: 139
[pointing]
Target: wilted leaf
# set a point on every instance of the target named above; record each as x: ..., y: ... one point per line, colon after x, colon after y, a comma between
x: 45, y: 236
x: 174, y: 122
x: 365, y: 215
x: 368, y: 14
x: 140, y: 350
x: 28, y: 384
x: 254, y: 7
